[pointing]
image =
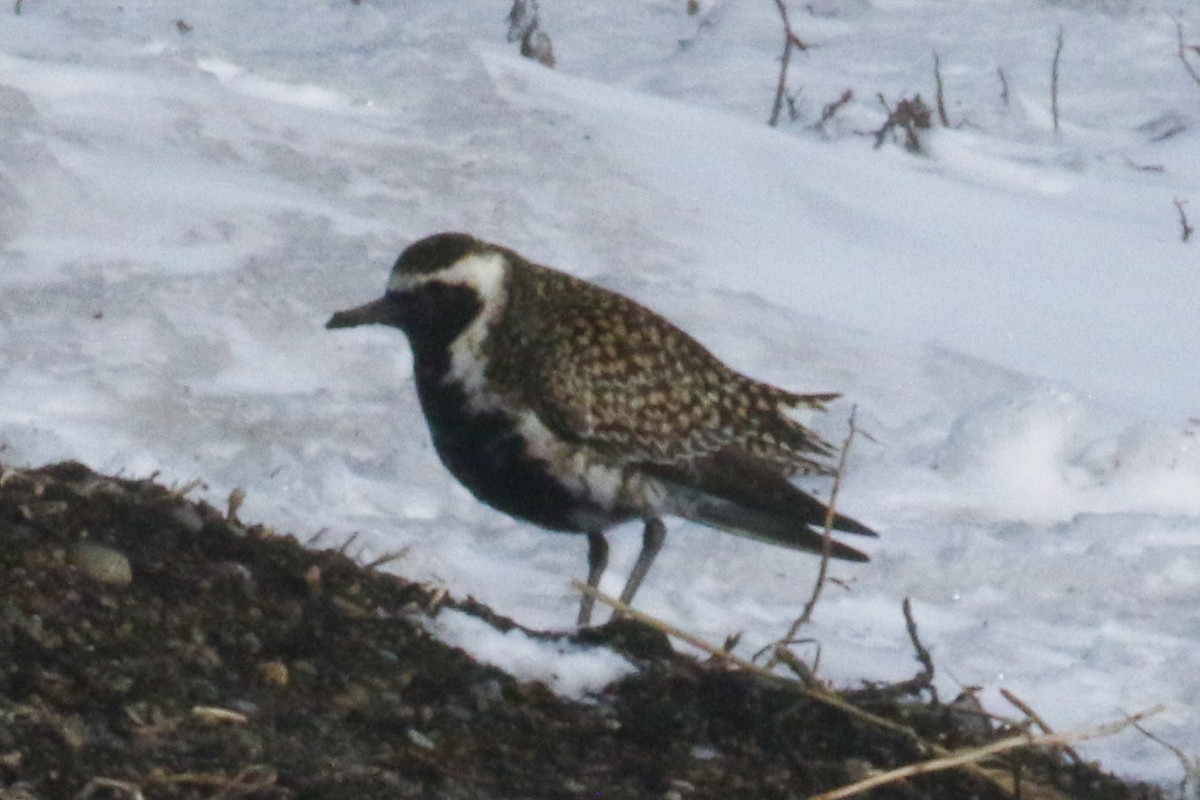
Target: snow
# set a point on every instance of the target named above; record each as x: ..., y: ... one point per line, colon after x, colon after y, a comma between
x: 1012, y: 313
x: 568, y: 669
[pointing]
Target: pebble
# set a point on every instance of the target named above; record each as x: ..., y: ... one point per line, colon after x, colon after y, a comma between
x: 102, y: 564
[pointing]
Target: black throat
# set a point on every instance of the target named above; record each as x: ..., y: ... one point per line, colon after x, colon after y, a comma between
x: 481, y: 446
x: 433, y: 316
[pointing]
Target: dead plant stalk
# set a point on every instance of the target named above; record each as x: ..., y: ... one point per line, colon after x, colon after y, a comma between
x: 1058, y: 48
x: 976, y: 754
x: 1183, y: 48
x: 826, y: 543
x: 1000, y: 780
x: 940, y: 89
x: 1187, y: 229
x: 790, y: 42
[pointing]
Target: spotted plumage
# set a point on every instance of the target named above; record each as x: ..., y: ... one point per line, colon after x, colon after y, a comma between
x: 613, y: 373
x: 575, y: 408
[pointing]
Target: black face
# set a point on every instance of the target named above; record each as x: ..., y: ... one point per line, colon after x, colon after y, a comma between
x: 432, y: 314
x: 435, y: 313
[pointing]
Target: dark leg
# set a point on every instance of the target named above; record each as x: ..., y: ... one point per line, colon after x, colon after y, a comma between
x: 652, y: 542
x: 597, y: 561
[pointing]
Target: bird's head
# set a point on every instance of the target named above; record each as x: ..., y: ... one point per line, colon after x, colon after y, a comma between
x: 439, y: 285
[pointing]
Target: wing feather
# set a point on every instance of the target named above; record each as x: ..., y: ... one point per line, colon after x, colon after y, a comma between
x: 603, y: 371
x: 744, y: 496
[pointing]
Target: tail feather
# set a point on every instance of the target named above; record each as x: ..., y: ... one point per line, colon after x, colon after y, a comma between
x: 768, y: 528
x: 747, y: 497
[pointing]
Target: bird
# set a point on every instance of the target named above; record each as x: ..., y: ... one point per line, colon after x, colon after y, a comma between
x: 577, y: 409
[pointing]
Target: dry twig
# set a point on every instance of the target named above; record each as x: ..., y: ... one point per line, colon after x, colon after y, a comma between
x: 110, y: 787
x: 1041, y: 723
x: 1190, y: 764
x: 976, y: 754
x: 386, y: 558
x: 1183, y: 48
x: 940, y: 91
x: 1183, y: 220
x: 256, y: 779
x: 826, y: 546
x: 1000, y: 779
x: 924, y: 678
x: 790, y: 42
x: 833, y: 107
x: 1058, y: 48
x: 820, y: 695
x: 908, y: 115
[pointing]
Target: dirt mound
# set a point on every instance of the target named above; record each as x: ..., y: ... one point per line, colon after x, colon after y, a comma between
x: 151, y: 646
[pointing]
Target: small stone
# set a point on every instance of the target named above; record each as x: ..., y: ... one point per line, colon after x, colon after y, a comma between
x: 420, y: 739
x: 354, y: 698
x: 273, y: 673
x: 188, y: 519
x: 102, y: 564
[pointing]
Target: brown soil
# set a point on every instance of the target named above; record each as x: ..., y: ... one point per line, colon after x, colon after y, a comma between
x: 151, y: 647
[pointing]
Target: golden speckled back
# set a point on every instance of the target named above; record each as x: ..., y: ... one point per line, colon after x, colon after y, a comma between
x: 602, y: 370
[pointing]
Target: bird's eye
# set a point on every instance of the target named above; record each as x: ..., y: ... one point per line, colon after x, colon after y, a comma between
x: 423, y: 304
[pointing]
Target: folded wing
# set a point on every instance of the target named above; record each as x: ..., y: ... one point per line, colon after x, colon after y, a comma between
x: 738, y: 494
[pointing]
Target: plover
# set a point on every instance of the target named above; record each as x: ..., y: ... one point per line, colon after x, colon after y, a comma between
x: 570, y: 406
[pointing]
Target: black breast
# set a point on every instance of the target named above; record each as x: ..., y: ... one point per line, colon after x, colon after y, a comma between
x: 483, y: 450
x: 488, y: 456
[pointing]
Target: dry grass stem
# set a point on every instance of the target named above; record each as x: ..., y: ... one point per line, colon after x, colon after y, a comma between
x: 109, y: 787
x: 806, y: 674
x: 1001, y: 780
x: 1037, y: 720
x: 976, y: 754
x: 820, y: 695
x: 1190, y: 764
x: 253, y: 779
x: 387, y: 558
x: 627, y: 610
x: 215, y: 715
x: 826, y: 544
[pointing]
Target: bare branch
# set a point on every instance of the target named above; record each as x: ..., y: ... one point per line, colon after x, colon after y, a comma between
x: 790, y: 42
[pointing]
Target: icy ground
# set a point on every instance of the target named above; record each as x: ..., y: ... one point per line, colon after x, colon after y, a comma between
x: 187, y: 190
